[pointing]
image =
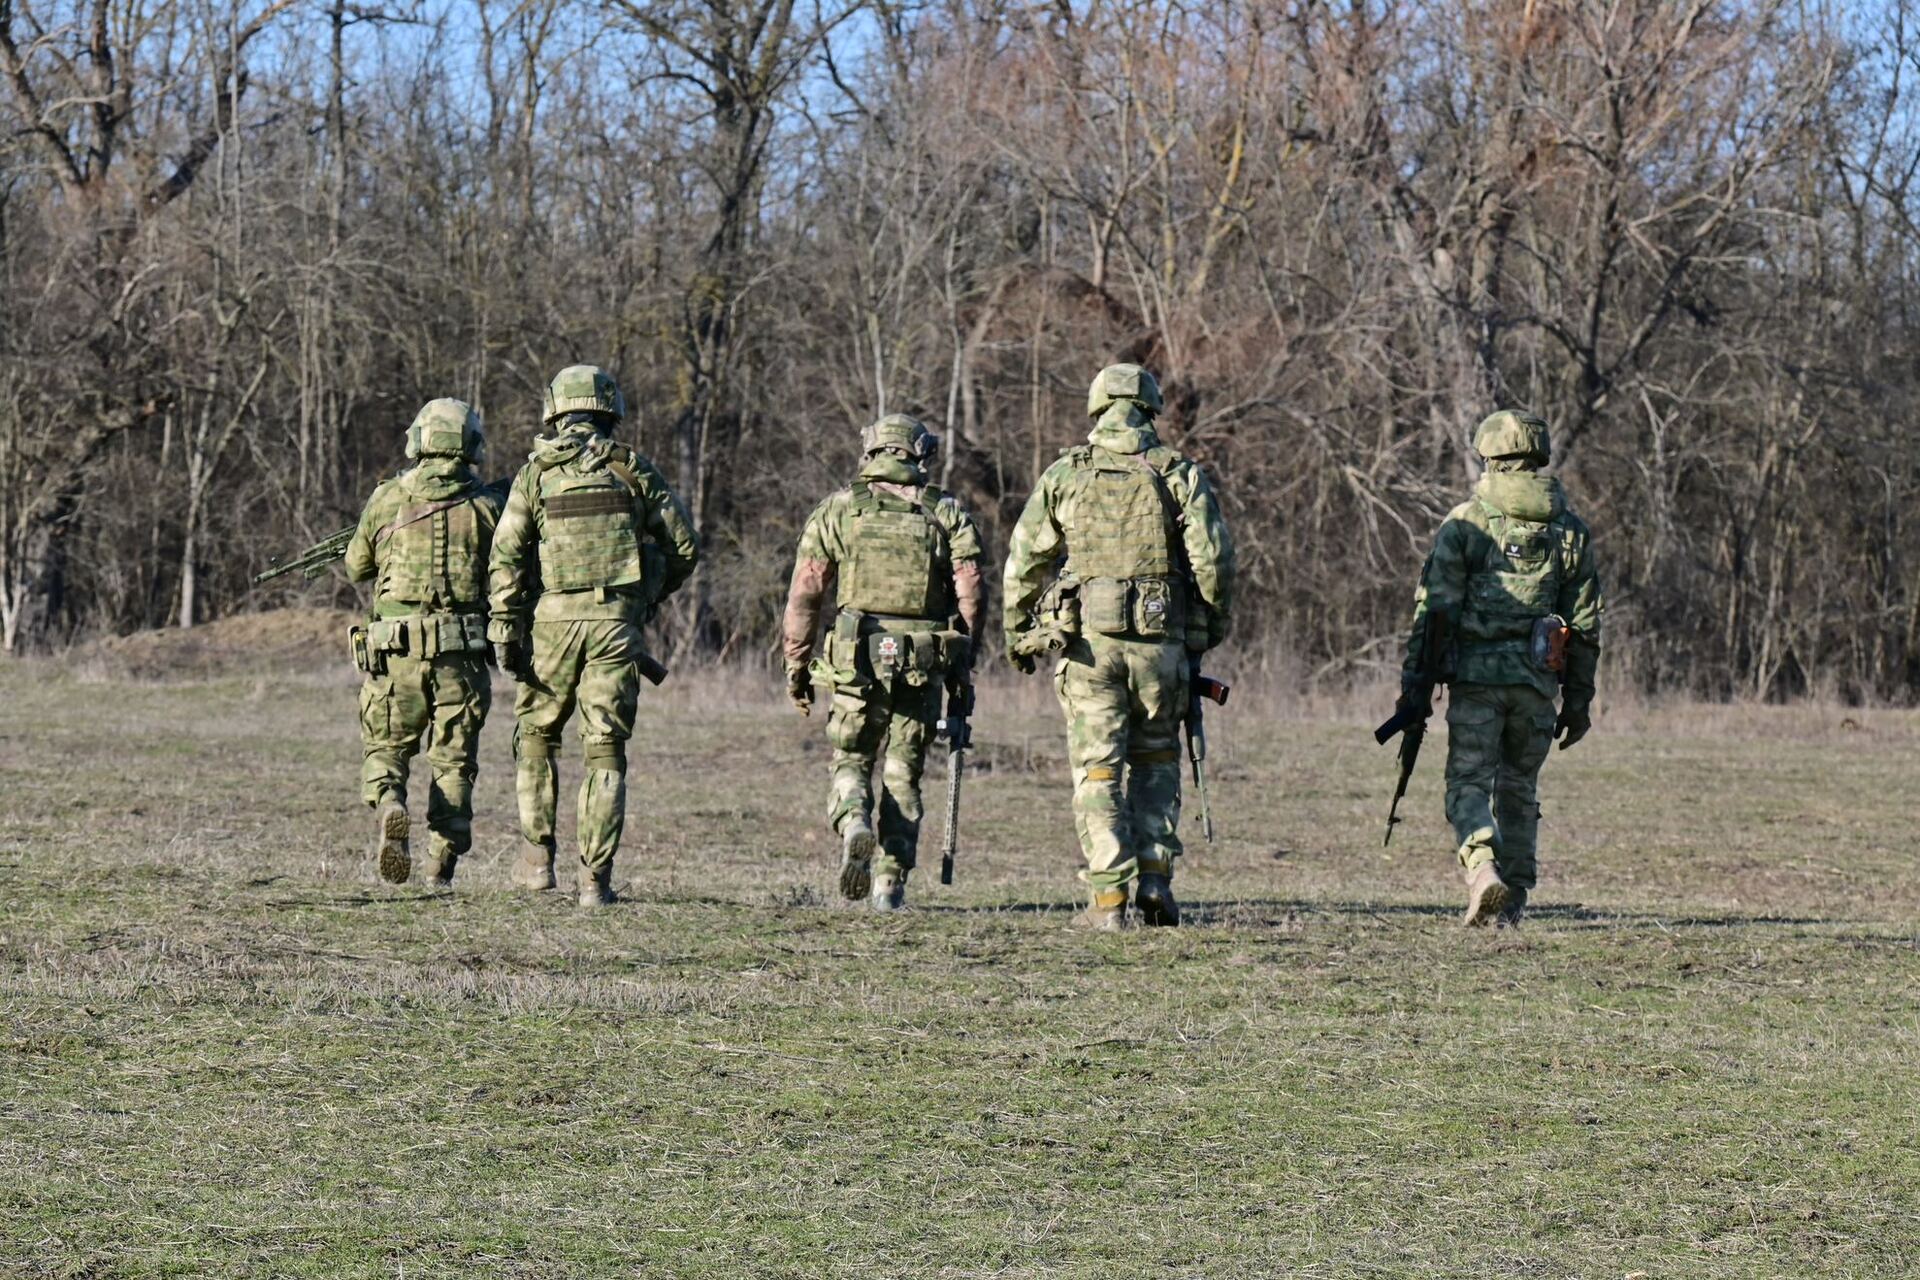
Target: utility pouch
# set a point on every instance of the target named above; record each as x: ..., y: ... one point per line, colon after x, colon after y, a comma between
x: 473, y: 628
x: 388, y: 635
x: 454, y: 633
x: 1156, y: 609
x: 1103, y: 606
x: 1548, y: 650
x: 843, y: 660
x: 365, y: 658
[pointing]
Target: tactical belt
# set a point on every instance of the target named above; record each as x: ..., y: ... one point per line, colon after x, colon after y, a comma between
x: 429, y: 635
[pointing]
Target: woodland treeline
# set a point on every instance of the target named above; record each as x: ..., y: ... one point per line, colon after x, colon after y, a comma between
x: 242, y: 242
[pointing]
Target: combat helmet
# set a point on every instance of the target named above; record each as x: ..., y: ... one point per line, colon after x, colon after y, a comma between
x: 906, y: 436
x: 447, y: 428
x: 582, y: 388
x: 1123, y: 382
x: 1512, y: 434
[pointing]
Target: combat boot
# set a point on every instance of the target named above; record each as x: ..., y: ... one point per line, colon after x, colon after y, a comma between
x: 390, y: 853
x: 1486, y: 895
x: 1106, y: 911
x: 439, y: 872
x: 856, y: 859
x: 1153, y: 900
x: 533, y: 869
x: 596, y: 887
x: 1516, y: 909
x: 889, y: 893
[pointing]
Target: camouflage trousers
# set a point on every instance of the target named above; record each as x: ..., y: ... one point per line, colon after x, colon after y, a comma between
x: 895, y: 719
x: 1124, y: 701
x: 443, y: 700
x: 588, y: 665
x: 1497, y: 739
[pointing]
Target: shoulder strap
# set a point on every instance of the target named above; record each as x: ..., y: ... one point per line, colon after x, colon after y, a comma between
x: 625, y: 475
x: 929, y: 507
x: 414, y: 515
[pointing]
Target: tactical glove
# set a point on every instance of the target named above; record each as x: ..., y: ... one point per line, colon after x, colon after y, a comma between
x: 1022, y: 661
x: 1574, y: 723
x: 800, y: 689
x: 511, y: 657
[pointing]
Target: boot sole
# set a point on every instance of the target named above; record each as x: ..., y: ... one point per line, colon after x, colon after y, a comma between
x: 395, y: 865
x: 856, y: 867
x: 1485, y: 906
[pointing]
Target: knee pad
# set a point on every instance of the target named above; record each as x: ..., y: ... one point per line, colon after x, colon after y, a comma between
x: 530, y: 744
x: 607, y: 755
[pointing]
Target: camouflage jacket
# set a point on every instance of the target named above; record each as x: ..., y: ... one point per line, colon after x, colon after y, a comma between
x: 1197, y: 548
x: 1509, y: 555
x: 827, y: 550
x: 590, y: 530
x: 424, y: 539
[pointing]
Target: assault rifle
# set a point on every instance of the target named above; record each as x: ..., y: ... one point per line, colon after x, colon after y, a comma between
x: 1415, y: 708
x: 312, y: 562
x: 1214, y: 691
x: 959, y: 734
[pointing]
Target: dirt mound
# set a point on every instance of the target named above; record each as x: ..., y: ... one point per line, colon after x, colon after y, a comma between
x: 276, y: 640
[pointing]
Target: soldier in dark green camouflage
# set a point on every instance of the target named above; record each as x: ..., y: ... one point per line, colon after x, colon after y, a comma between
x: 906, y: 559
x: 1144, y: 585
x: 591, y: 541
x: 1513, y: 569
x: 423, y: 540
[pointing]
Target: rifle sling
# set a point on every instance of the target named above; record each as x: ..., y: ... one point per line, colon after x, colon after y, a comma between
x: 419, y: 514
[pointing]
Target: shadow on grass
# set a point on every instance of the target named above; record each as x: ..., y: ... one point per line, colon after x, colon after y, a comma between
x: 1229, y: 911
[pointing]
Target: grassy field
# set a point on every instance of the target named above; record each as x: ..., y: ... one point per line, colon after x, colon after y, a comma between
x: 223, y: 1052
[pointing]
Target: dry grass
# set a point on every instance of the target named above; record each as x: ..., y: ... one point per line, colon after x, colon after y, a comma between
x: 225, y: 1053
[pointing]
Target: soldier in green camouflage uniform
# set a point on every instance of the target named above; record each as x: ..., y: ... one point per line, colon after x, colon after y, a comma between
x: 591, y: 541
x: 907, y: 561
x: 423, y: 540
x: 1510, y: 567
x: 1145, y: 588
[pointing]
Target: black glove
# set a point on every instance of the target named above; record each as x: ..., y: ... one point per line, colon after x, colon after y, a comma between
x: 800, y: 689
x: 1573, y: 723
x: 511, y: 657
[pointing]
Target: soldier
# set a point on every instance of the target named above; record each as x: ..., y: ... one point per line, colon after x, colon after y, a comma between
x: 907, y: 560
x: 423, y: 539
x: 1512, y: 571
x: 1145, y: 588
x: 591, y: 541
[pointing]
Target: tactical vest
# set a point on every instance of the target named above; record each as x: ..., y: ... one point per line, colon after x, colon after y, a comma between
x: 590, y: 536
x: 434, y: 554
x: 897, y: 560
x: 1519, y: 575
x: 1116, y: 518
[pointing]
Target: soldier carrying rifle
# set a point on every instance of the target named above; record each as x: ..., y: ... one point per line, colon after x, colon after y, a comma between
x: 1508, y: 611
x: 1122, y: 567
x: 905, y: 559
